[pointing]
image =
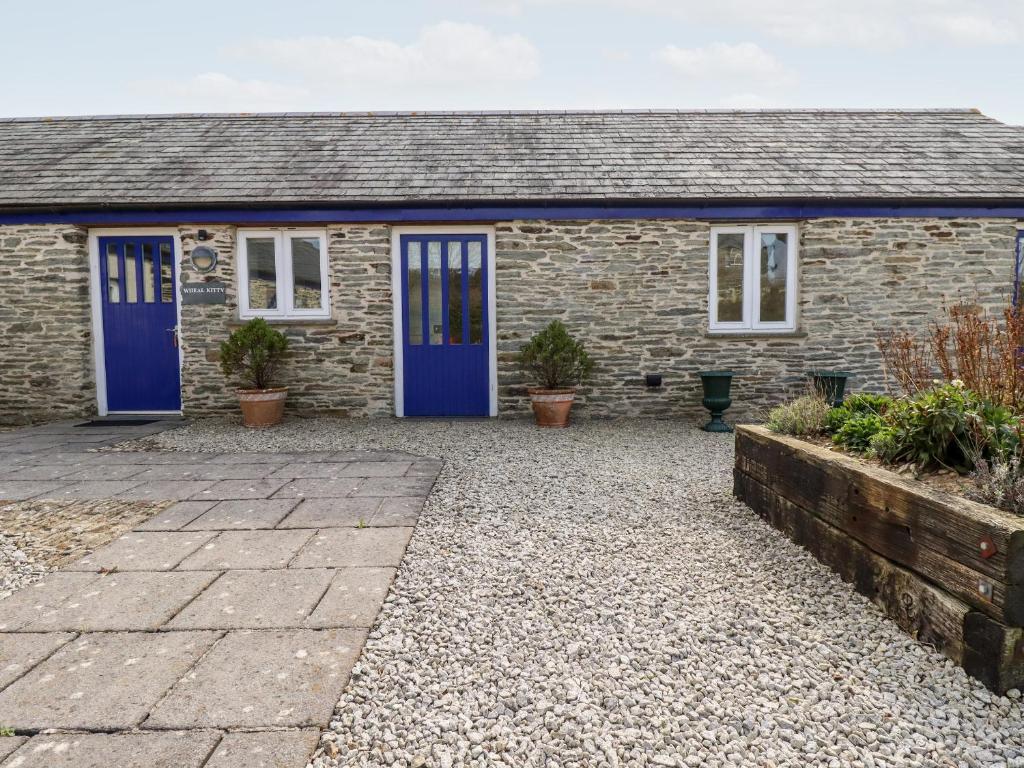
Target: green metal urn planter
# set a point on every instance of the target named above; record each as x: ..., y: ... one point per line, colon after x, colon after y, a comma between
x: 831, y: 384
x: 716, y: 398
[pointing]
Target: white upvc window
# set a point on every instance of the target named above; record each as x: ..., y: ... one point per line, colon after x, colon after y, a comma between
x: 753, y: 278
x: 282, y: 273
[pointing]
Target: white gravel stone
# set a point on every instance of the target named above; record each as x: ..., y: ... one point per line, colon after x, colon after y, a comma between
x: 17, y: 568
x: 595, y: 597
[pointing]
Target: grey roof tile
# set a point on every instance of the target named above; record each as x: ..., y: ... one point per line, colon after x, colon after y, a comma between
x: 452, y: 157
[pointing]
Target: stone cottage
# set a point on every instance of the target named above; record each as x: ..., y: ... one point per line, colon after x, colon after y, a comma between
x: 407, y: 256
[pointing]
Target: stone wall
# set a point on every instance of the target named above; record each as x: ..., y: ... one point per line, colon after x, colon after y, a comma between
x: 46, y: 366
x: 634, y: 291
x: 637, y: 293
x: 340, y: 367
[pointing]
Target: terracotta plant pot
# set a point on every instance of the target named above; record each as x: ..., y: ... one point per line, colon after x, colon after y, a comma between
x: 262, y: 407
x: 551, y: 406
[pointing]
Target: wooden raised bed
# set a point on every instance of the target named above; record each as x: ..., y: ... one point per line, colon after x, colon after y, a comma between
x: 948, y: 570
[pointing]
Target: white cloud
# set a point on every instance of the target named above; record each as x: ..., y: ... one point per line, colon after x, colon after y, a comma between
x: 447, y: 66
x: 615, y: 54
x: 218, y: 92
x: 442, y: 54
x: 852, y: 23
x: 722, y: 60
x: 748, y: 101
x: 967, y: 29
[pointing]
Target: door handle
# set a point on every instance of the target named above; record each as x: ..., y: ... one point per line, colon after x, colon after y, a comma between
x: 174, y: 338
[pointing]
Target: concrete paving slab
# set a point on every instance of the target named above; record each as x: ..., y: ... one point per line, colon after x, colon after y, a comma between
x: 377, y: 469
x: 73, y: 438
x: 144, y: 551
x: 398, y: 511
x: 187, y: 749
x: 263, y: 678
x: 19, y: 490
x: 372, y: 456
x: 332, y: 513
x: 154, y: 458
x: 95, y: 489
x: 188, y: 471
x: 265, y: 749
x: 29, y: 603
x: 313, y: 488
x: 20, y: 652
x: 313, y: 469
x: 353, y: 599
x: 103, y: 681
x: 176, y: 516
x: 345, y: 547
x: 33, y: 444
x: 40, y: 472
x: 257, y: 600
x: 107, y: 472
x: 242, y: 514
x: 166, y: 490
x: 395, y: 486
x: 217, y: 471
x: 425, y: 468
x: 9, y: 744
x: 256, y: 458
x: 137, y: 601
x: 70, y: 458
x: 240, y: 489
x: 255, y: 550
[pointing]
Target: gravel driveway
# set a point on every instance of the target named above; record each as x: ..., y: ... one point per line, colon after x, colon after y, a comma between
x: 594, y: 597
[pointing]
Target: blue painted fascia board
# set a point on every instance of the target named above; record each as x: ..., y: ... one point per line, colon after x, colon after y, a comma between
x: 242, y: 215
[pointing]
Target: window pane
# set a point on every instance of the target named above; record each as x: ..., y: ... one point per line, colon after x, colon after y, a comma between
x: 148, y: 274
x: 729, y: 272
x: 435, y: 310
x: 262, y: 277
x: 415, y: 272
x: 113, y: 277
x: 774, y: 266
x: 455, y: 293
x: 166, y: 274
x: 306, y: 278
x: 131, y: 290
x: 475, y: 275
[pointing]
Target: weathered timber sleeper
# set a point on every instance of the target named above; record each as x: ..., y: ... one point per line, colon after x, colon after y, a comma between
x: 949, y: 571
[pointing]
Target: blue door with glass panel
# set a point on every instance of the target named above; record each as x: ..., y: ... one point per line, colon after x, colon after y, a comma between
x: 140, y: 316
x: 444, y: 325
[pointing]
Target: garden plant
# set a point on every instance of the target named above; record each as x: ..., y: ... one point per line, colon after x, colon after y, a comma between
x: 558, y: 363
x: 959, y: 405
x: 253, y: 354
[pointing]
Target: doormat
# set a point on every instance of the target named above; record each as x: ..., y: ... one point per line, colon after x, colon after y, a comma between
x: 116, y: 423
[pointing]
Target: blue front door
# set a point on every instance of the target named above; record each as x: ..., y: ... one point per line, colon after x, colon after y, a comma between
x: 139, y: 298
x: 444, y: 325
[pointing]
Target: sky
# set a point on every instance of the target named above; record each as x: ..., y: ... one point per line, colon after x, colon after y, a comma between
x: 116, y: 57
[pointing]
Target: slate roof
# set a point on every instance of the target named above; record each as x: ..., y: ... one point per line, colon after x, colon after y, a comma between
x: 492, y: 157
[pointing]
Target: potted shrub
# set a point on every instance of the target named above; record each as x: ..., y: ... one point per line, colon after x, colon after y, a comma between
x: 558, y: 363
x: 252, y: 354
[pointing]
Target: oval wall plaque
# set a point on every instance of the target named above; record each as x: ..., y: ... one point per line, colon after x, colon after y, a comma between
x: 203, y: 258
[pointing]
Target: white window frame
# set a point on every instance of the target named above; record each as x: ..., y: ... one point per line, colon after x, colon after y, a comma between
x: 285, y: 278
x: 752, y: 280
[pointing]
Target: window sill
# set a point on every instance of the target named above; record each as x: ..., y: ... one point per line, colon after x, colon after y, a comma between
x: 239, y: 321
x: 754, y: 335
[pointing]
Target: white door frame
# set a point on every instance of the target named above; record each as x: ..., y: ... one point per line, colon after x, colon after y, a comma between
x: 396, y: 292
x: 96, y: 297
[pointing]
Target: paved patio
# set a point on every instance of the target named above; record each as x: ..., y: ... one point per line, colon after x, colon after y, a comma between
x: 220, y: 632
